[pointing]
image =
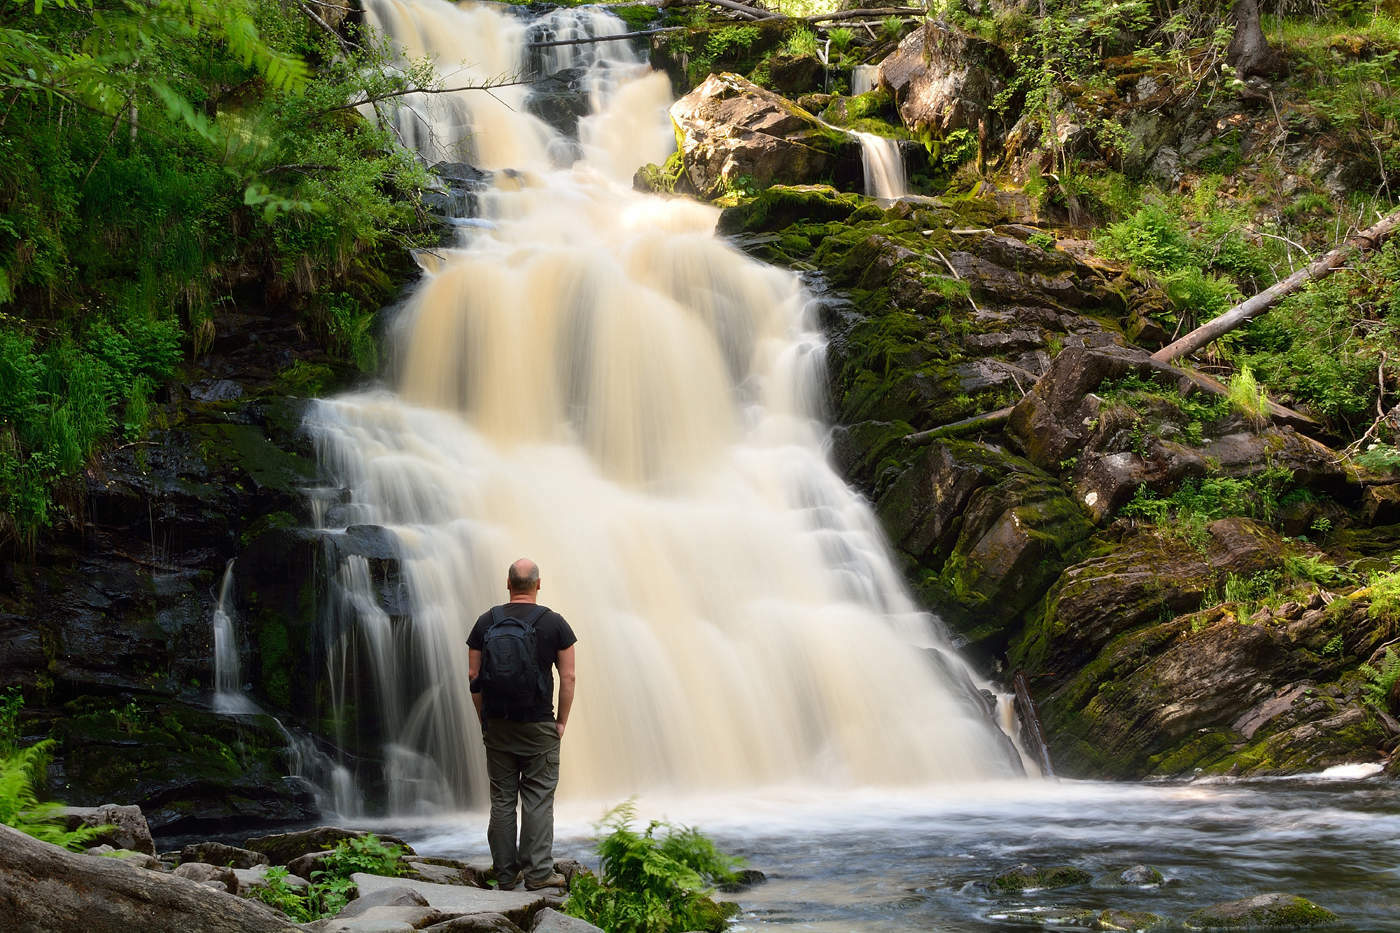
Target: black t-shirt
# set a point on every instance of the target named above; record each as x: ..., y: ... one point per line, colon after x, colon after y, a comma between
x: 552, y: 635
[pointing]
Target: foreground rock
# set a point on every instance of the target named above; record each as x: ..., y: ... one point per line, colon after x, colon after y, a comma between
x: 1272, y: 911
x: 45, y: 889
x: 517, y: 907
x: 736, y: 134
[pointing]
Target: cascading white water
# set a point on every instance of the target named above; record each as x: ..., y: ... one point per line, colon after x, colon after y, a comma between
x: 864, y: 78
x: 884, y: 166
x: 228, y: 676
x: 594, y: 380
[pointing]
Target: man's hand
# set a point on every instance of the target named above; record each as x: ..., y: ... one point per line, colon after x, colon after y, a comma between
x: 560, y: 727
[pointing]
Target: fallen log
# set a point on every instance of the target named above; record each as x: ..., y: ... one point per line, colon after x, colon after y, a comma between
x: 749, y: 11
x: 1247, y: 310
x: 590, y: 39
x: 965, y: 426
x: 874, y: 13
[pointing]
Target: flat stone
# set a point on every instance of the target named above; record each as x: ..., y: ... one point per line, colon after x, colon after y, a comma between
x: 386, y: 920
x: 394, y: 896
x: 476, y: 923
x: 517, y: 906
x: 216, y: 853
x: 552, y: 921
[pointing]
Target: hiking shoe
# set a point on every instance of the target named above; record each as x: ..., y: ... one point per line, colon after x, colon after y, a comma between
x: 555, y: 880
x: 506, y: 884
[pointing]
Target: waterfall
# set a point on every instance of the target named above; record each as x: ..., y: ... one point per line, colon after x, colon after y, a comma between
x: 864, y: 79
x: 883, y: 165
x: 228, y: 676
x: 593, y: 379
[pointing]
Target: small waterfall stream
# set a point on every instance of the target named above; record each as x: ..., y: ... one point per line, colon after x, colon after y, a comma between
x: 593, y: 379
x: 884, y: 166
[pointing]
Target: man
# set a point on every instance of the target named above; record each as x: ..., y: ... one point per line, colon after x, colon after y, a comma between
x: 512, y: 688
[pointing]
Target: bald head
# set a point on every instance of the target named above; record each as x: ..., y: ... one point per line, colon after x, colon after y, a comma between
x: 523, y: 577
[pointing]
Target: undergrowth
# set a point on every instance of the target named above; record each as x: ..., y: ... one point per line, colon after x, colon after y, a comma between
x: 654, y: 881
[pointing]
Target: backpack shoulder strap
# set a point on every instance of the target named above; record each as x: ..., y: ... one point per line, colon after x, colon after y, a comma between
x: 498, y: 615
x: 539, y: 613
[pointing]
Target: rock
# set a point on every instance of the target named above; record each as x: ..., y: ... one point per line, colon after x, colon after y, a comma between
x: 792, y: 74
x: 733, y: 132
x: 944, y: 80
x: 305, y: 865
x: 203, y: 872
x: 401, y: 896
x: 1380, y: 505
x: 124, y: 827
x: 1130, y: 921
x: 442, y: 871
x: 250, y: 879
x: 45, y: 889
x: 746, y: 878
x: 561, y: 99
x: 1106, y: 482
x: 1056, y: 918
x: 149, y: 862
x: 550, y: 920
x: 216, y: 390
x: 1266, y: 910
x: 385, y: 920
x: 476, y: 923
x: 217, y: 853
x: 281, y: 848
x: 516, y: 906
x: 1027, y: 877
x: 1141, y: 876
x: 1056, y: 418
x: 1312, y: 464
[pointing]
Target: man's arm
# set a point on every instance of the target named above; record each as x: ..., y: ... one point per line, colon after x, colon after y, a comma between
x: 565, y: 662
x: 474, y: 671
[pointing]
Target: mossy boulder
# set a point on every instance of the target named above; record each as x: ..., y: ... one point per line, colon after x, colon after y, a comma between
x: 943, y: 79
x: 1266, y: 911
x: 1027, y: 877
x: 735, y: 135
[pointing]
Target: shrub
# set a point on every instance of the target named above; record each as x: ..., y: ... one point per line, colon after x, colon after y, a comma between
x: 330, y: 886
x: 802, y: 43
x: 1248, y: 398
x: 650, y: 884
x: 1153, y: 239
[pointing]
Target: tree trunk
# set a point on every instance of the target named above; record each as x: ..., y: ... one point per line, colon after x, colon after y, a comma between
x: 1249, y: 51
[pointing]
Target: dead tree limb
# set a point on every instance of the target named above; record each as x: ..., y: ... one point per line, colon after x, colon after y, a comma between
x: 873, y: 13
x: 749, y: 11
x: 990, y: 419
x: 1247, y: 310
x: 590, y: 39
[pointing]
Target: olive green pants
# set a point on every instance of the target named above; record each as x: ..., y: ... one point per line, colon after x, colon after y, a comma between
x: 522, y: 762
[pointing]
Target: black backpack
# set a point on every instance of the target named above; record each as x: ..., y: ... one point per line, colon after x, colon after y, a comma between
x: 510, y: 666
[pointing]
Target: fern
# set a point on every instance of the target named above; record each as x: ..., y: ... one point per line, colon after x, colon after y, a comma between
x: 1380, y: 680
x: 650, y: 884
x: 20, y: 771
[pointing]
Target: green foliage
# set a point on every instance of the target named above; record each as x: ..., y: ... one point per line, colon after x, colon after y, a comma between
x: 730, y: 39
x: 154, y: 154
x: 801, y: 42
x: 1248, y: 592
x: 1312, y: 568
x: 330, y: 886
x: 1198, y: 502
x: 841, y: 38
x: 1248, y: 398
x: 1154, y: 239
x: 1328, y: 345
x: 1380, y: 680
x: 1385, y: 598
x: 650, y: 884
x: 1380, y: 458
x: 1042, y: 239
x: 21, y: 772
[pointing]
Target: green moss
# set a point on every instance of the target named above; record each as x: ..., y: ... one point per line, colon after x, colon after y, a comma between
x: 1278, y: 913
x: 276, y: 661
x: 1026, y: 877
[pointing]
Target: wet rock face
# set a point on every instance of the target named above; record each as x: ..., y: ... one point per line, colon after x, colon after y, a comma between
x: 943, y: 80
x: 733, y: 130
